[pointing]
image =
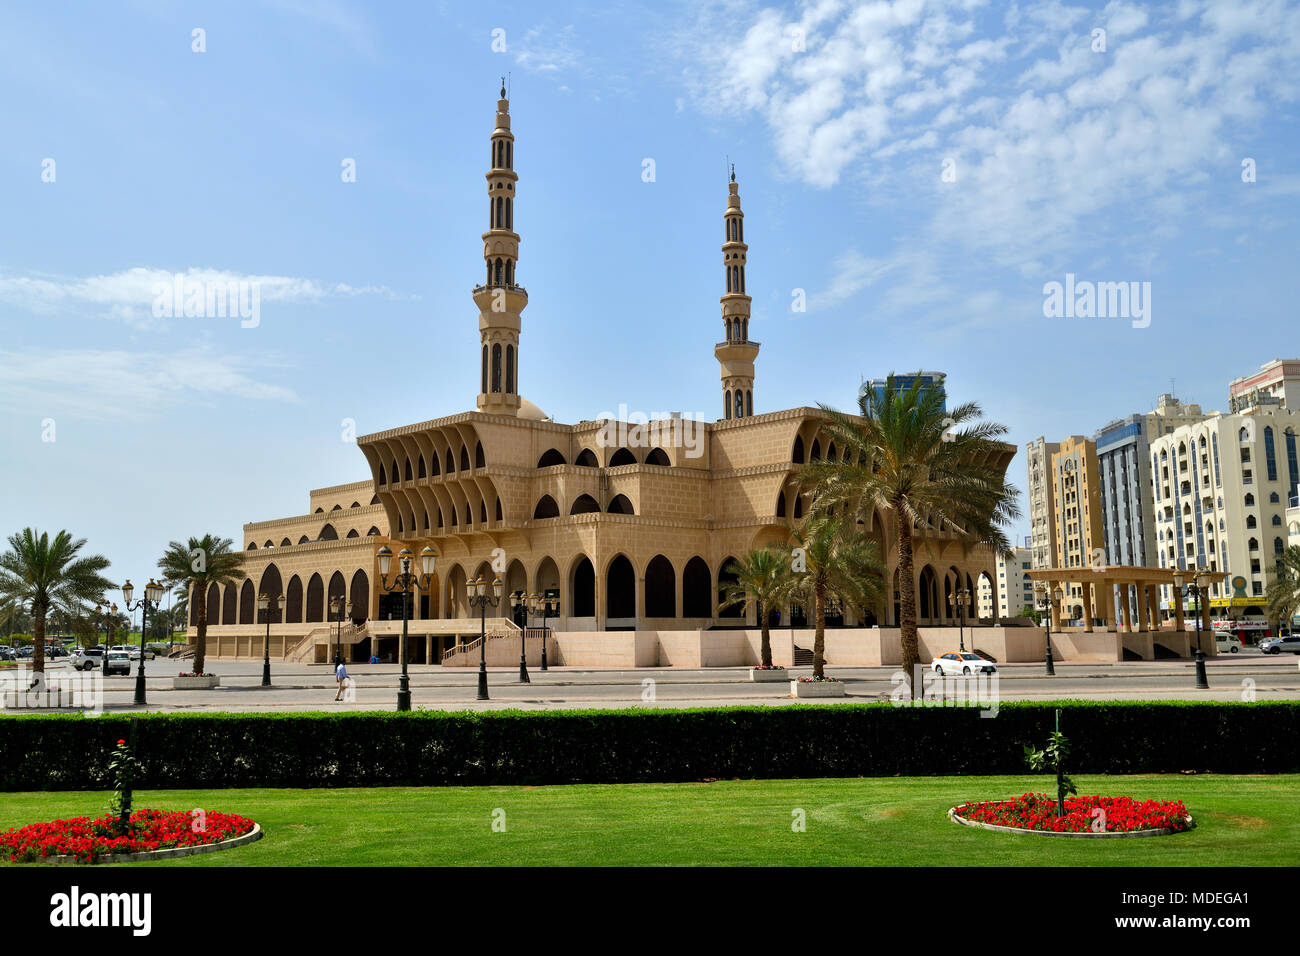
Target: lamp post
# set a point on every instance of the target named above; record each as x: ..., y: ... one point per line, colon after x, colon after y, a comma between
x: 477, y: 591
x: 267, y: 605
x: 957, y: 601
x: 404, y: 581
x: 152, y: 596
x: 339, y: 608
x: 1197, y: 588
x: 1047, y: 598
x: 546, y: 606
x: 105, y: 615
x: 516, y: 599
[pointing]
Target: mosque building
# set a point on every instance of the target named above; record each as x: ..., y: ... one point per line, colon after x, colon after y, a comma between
x: 630, y: 525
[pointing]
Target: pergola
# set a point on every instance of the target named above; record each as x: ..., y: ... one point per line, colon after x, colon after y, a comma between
x: 1143, y: 581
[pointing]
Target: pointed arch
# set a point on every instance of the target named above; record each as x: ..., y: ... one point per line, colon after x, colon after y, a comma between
x: 247, y: 605
x: 546, y: 508
x: 230, y: 605
x: 797, y: 455
x: 214, y: 603
x: 586, y: 459
x: 273, y: 588
x: 293, y: 601
x: 620, y: 505
x: 697, y: 588
x: 658, y: 456
x: 479, y: 460
x: 660, y: 588
x: 550, y: 458
x: 328, y: 533
x: 584, y: 504
x: 622, y: 457
x: 315, y: 600
x: 359, y: 595
x: 620, y: 588
x: 582, y: 588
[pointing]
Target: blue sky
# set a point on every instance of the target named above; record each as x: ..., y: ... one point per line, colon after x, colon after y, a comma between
x: 1122, y: 164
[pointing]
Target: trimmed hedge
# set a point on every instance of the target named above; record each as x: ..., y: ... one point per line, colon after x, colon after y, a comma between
x: 71, y: 752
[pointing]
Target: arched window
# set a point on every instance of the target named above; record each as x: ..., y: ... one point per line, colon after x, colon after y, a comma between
x: 451, y: 462
x: 1250, y: 521
x: 546, y: 508
x: 499, y: 509
x: 373, y: 531
x: 510, y: 213
x: 549, y: 458
x: 622, y: 457
x: 749, y: 402
x: 352, y: 534
x: 464, y: 458
x: 483, y: 389
x: 584, y: 504
x: 780, y: 504
x: 740, y: 404
x: 1278, y: 546
x: 620, y: 505
x: 285, y: 543
x: 496, y: 367
x: 586, y: 459
x: 303, y: 540
x: 726, y: 403
x: 478, y: 455
x: 498, y: 273
x: 797, y: 455
x: 658, y: 456
x: 421, y: 473
x: 510, y: 369
x: 500, y: 215
x: 1250, y: 501
x: 408, y: 473
x: 383, y: 476
x: 328, y: 533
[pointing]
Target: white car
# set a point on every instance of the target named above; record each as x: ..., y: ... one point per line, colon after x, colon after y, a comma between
x: 1226, y: 643
x: 962, y: 662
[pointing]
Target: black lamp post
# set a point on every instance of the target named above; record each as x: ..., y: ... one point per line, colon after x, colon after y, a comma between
x: 1197, y: 588
x: 267, y: 605
x: 518, y: 598
x: 477, y: 591
x: 1047, y: 600
x: 104, y: 615
x: 546, y: 606
x: 405, y: 581
x: 957, y: 601
x: 152, y: 596
x: 339, y: 608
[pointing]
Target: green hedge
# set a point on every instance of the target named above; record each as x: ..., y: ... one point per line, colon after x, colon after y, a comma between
x: 66, y: 752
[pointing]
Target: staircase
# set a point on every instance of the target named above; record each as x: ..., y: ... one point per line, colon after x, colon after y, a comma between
x: 461, y: 655
x: 305, y: 649
x: 802, y: 657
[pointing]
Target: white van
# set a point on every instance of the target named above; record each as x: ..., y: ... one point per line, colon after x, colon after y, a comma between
x: 1226, y: 642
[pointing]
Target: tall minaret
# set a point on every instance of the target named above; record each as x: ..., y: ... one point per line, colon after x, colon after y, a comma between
x: 500, y: 300
x: 736, y: 355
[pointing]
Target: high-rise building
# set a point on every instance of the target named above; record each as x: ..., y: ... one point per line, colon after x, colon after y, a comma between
x: 1221, y: 493
x: 928, y: 380
x: 1042, y: 514
x: 1124, y: 463
x: 1276, y: 383
x: 1076, y: 502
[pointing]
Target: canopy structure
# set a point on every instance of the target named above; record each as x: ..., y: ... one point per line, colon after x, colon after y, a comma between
x: 1097, y: 586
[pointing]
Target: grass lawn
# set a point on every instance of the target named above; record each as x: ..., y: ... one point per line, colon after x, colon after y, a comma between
x: 1241, y: 820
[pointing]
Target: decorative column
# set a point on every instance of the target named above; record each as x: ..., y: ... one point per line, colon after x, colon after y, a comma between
x: 1178, y: 608
x: 1055, y: 605
x: 1141, y: 606
x: 1126, y: 609
x: 1087, y: 605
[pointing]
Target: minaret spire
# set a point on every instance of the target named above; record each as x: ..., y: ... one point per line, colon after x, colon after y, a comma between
x: 500, y: 299
x: 736, y: 353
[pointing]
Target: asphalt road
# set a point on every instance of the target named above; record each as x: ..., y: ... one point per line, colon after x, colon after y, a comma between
x: 1248, y: 675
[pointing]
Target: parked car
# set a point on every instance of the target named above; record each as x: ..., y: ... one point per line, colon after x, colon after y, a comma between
x: 1226, y: 643
x: 117, y: 662
x: 87, y: 659
x: 157, y: 650
x: 26, y: 652
x: 8, y: 654
x: 130, y: 650
x: 1276, y: 645
x: 54, y: 651
x: 962, y: 662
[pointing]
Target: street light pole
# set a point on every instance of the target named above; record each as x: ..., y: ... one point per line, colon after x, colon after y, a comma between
x: 152, y: 597
x: 404, y: 582
x: 477, y: 591
x: 267, y: 605
x: 1197, y: 588
x: 518, y: 598
x: 341, y: 609
x: 1046, y: 599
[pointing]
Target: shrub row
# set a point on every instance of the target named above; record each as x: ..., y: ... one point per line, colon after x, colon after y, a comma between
x: 63, y: 752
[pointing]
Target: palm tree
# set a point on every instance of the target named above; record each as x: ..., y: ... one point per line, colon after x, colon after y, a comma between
x: 48, y: 576
x: 762, y: 581
x: 927, y: 467
x: 196, y: 566
x: 1284, y: 590
x: 833, y: 562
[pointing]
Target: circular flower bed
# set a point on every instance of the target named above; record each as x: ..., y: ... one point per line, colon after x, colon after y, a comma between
x: 90, y: 839
x: 1093, y: 816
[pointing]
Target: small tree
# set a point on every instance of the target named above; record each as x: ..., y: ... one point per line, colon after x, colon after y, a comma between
x: 762, y: 581
x: 125, y: 768
x: 1053, y: 757
x: 196, y: 565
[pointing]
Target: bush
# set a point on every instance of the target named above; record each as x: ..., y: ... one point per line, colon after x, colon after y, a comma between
x: 431, y: 748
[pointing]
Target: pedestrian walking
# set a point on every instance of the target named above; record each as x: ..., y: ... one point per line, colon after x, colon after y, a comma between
x: 340, y: 675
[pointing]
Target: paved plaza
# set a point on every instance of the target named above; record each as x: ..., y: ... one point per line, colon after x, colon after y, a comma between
x: 299, y: 687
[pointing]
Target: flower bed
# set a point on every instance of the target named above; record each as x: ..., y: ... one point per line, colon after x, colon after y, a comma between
x: 819, y: 680
x: 1036, y: 812
x: 90, y: 839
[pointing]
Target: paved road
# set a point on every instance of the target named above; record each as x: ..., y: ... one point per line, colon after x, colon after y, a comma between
x: 312, y: 686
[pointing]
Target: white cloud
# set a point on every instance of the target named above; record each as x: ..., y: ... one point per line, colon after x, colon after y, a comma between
x: 129, y: 295
x: 112, y: 384
x: 1059, y: 148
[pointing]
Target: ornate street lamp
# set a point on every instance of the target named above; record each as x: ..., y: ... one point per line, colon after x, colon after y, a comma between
x: 267, y: 605
x: 957, y: 601
x: 1197, y: 588
x: 479, y: 597
x: 547, y: 606
x: 1047, y: 599
x: 105, y: 615
x: 516, y: 599
x: 152, y: 596
x: 405, y: 581
x: 338, y: 608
